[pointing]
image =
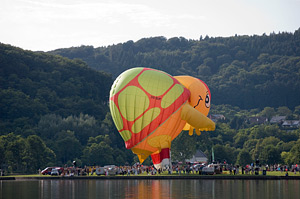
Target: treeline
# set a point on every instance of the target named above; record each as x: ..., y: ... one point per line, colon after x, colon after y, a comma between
x: 238, y: 141
x: 57, y: 141
x: 244, y: 71
x: 268, y: 143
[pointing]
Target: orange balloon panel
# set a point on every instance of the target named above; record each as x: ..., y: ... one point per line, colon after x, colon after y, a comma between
x: 161, y: 138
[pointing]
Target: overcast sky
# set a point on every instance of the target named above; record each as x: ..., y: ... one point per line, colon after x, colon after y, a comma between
x: 51, y: 24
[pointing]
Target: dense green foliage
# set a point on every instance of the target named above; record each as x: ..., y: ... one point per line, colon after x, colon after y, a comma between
x: 36, y: 84
x: 269, y: 143
x: 54, y: 110
x: 61, y: 101
x: 244, y: 71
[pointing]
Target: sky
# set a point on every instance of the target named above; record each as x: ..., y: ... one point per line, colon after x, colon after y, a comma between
x: 44, y: 25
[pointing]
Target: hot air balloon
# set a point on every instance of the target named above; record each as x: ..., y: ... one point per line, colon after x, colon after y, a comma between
x: 150, y: 108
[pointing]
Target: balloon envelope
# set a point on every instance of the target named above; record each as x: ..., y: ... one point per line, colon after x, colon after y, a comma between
x: 150, y: 108
x: 141, y: 100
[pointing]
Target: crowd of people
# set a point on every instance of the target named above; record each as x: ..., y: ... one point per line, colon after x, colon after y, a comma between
x: 137, y: 169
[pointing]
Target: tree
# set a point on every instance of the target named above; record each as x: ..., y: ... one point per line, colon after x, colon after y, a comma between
x: 14, y: 151
x: 283, y: 110
x: 67, y: 147
x: 293, y: 156
x: 37, y: 154
x: 244, y: 158
x: 270, y: 155
x: 268, y: 112
x: 183, y: 147
x: 239, y: 139
x: 226, y: 152
x: 83, y: 126
x: 270, y: 141
x: 49, y: 125
x: 2, y: 153
x: 204, y: 70
x: 99, y: 152
x: 297, y: 110
x: 119, y: 156
x: 285, y: 157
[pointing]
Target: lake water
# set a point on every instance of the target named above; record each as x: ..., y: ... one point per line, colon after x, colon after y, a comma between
x: 236, y: 189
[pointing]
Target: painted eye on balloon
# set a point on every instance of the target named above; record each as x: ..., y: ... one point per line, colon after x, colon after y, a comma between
x: 200, y: 98
x: 207, y: 101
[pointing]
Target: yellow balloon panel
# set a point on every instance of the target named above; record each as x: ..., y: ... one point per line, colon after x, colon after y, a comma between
x: 132, y: 102
x: 171, y: 96
x: 124, y: 79
x: 147, y: 118
x: 116, y: 115
x: 155, y: 83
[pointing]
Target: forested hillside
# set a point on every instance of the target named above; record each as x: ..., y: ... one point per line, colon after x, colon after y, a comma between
x: 36, y: 84
x: 54, y: 100
x: 54, y: 110
x: 244, y: 71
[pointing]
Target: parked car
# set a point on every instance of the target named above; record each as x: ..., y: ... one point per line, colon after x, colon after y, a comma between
x: 54, y: 172
x: 198, y: 166
x: 208, y: 170
x: 47, y: 171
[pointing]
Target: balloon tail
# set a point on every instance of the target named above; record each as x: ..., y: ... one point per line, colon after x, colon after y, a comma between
x: 198, y: 132
x: 191, y: 131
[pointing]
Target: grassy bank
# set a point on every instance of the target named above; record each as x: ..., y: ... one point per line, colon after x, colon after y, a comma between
x: 224, y: 174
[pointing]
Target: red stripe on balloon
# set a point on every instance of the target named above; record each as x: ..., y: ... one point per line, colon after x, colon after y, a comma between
x: 158, y: 157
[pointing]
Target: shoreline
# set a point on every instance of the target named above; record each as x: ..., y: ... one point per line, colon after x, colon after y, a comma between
x: 195, y: 177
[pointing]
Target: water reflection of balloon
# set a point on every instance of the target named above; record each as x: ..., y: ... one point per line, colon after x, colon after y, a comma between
x: 150, y: 108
